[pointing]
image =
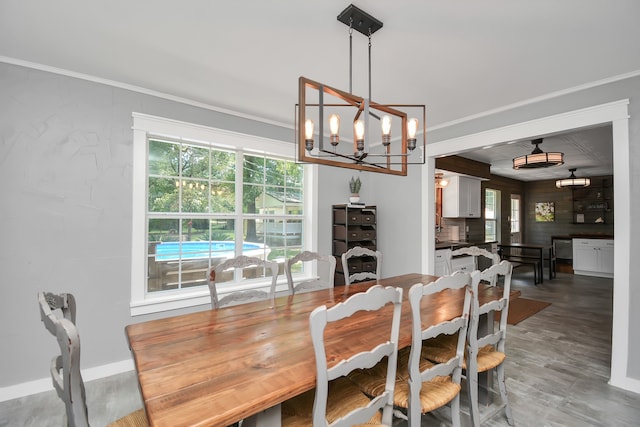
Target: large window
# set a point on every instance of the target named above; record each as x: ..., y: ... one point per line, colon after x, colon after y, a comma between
x: 206, y: 200
x: 491, y: 215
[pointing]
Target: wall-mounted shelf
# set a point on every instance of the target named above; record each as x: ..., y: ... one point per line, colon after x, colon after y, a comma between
x: 593, y: 205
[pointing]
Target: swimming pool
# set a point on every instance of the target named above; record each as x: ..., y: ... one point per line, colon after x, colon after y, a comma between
x: 173, y: 251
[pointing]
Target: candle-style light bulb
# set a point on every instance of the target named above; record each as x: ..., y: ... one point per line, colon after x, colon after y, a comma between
x: 386, y: 130
x: 358, y: 128
x: 412, y: 129
x: 308, y: 134
x: 334, y: 126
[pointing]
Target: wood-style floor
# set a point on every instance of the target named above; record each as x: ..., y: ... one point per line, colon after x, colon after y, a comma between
x: 557, y: 367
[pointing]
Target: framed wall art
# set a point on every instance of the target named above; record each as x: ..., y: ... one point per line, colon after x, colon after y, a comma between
x: 545, y: 212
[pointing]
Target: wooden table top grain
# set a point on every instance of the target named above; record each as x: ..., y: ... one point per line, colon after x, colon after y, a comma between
x: 216, y: 367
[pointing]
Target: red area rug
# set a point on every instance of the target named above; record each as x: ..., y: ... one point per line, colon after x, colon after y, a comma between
x: 523, y: 308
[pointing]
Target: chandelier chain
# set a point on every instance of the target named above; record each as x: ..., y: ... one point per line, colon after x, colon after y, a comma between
x: 369, y: 64
x: 350, y: 55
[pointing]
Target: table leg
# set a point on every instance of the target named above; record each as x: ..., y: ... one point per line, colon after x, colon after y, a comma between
x: 541, y: 268
x: 268, y: 418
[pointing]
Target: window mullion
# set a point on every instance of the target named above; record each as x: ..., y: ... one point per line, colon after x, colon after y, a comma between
x: 239, y: 223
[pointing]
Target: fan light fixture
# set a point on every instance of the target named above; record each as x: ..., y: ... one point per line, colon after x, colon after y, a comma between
x: 376, y: 137
x: 572, y: 181
x: 538, y: 158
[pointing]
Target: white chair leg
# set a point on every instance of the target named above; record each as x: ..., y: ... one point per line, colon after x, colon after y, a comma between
x: 472, y: 386
x: 455, y: 411
x: 415, y: 407
x: 503, y: 394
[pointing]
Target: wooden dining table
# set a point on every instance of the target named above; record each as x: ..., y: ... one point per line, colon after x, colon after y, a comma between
x: 216, y: 367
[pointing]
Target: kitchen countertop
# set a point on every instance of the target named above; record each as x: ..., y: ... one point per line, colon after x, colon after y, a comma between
x: 455, y: 244
x: 582, y: 236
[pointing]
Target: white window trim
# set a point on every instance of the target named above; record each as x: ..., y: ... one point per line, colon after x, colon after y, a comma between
x: 144, y: 125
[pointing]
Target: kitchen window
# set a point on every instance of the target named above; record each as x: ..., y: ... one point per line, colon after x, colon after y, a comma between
x: 203, y: 195
x: 491, y: 215
x: 515, y: 214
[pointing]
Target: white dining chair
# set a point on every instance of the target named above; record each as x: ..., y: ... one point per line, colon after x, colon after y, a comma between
x: 432, y: 386
x: 486, y: 350
x: 336, y: 400
x: 476, y: 253
x: 216, y: 280
x: 369, y: 269
x: 58, y: 313
x: 307, y: 257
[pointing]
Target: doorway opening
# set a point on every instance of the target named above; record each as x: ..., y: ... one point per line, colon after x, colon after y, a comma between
x: 615, y: 113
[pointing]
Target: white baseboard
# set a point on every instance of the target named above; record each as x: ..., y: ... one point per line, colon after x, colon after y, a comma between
x: 45, y: 384
x: 629, y: 384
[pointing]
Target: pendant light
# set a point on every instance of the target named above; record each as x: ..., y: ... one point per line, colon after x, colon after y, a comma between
x: 538, y: 158
x: 572, y: 181
x: 441, y: 181
x: 385, y: 137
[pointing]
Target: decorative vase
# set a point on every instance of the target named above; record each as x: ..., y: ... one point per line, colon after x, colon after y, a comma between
x: 354, y: 198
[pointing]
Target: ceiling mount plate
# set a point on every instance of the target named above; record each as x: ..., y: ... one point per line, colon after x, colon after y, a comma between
x: 361, y: 21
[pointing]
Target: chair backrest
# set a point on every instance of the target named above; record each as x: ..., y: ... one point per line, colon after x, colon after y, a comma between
x: 215, y: 275
x: 457, y: 325
x: 497, y: 336
x: 475, y: 252
x: 317, y: 283
x: 365, y: 273
x: 58, y: 313
x: 376, y: 298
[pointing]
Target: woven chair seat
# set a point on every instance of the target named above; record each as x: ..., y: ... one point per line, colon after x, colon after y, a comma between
x: 434, y: 394
x: 440, y: 349
x: 343, y: 397
x: 488, y: 357
x: 134, y: 419
x: 442, y: 341
x: 372, y: 381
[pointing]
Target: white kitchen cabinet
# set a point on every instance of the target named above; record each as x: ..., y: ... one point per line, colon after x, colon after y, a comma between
x: 440, y: 267
x: 593, y: 257
x: 461, y: 198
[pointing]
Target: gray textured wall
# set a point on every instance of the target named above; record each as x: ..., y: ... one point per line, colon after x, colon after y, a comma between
x: 65, y: 214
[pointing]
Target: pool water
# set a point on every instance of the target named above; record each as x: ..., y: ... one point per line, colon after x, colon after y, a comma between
x: 172, y: 251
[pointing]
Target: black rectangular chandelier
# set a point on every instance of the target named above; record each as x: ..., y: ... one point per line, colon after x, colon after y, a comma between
x: 337, y: 128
